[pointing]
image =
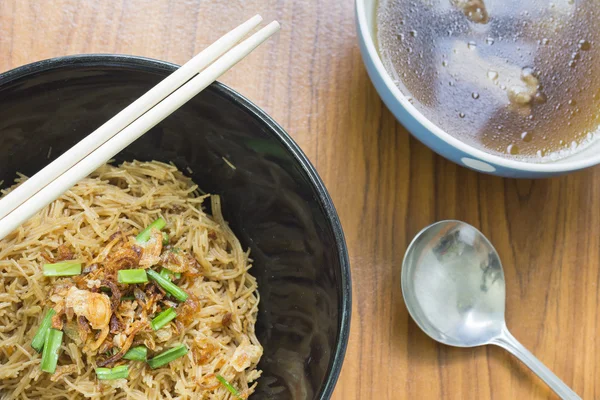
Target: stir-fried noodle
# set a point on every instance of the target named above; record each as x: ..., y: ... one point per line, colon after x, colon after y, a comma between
x: 97, y: 225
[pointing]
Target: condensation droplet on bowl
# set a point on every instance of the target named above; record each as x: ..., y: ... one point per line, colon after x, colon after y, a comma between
x: 585, y: 45
x: 512, y: 149
x: 461, y: 114
x: 540, y: 98
x: 493, y: 75
x: 475, y: 95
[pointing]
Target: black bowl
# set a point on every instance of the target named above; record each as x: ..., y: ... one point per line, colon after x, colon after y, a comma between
x: 274, y: 199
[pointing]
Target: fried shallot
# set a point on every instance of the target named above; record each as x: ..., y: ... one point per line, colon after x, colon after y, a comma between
x: 95, y: 307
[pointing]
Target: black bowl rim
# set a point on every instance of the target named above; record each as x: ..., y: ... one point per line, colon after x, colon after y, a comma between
x: 326, y: 203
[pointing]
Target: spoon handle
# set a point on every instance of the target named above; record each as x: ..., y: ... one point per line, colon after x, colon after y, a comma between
x: 512, y: 345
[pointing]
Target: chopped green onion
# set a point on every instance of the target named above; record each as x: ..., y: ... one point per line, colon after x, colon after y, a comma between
x: 168, y: 274
x: 40, y: 336
x: 144, y: 235
x: 165, y: 273
x: 127, y: 298
x: 132, y: 276
x: 166, y: 238
x: 139, y: 353
x: 51, y: 348
x: 169, y: 286
x: 109, y: 374
x: 228, y: 386
x: 163, y: 318
x: 168, y: 356
x: 65, y: 268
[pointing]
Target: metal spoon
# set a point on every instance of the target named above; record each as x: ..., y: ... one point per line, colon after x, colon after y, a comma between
x: 453, y: 287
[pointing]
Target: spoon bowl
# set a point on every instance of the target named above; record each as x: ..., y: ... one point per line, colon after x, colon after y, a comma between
x: 453, y: 281
x: 453, y: 286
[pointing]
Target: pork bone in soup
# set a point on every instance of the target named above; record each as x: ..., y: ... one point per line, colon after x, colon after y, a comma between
x: 516, y: 78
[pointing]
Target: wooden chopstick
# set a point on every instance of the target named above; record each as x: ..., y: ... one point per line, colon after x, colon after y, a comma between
x: 55, y: 188
x: 109, y: 129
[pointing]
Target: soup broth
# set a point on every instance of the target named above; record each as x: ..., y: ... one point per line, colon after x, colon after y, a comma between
x: 516, y: 78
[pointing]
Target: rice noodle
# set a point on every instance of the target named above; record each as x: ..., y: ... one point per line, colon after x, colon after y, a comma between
x: 122, y: 201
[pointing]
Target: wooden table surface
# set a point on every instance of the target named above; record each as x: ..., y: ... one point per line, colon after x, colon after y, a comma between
x: 386, y: 187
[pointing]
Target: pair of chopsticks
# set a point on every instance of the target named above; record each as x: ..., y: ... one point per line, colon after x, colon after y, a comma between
x: 131, y: 123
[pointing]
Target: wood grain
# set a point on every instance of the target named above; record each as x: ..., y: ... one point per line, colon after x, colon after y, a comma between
x: 386, y: 187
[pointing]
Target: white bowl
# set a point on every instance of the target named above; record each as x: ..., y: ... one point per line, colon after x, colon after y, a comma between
x: 440, y: 141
